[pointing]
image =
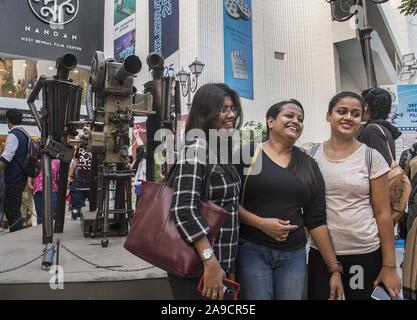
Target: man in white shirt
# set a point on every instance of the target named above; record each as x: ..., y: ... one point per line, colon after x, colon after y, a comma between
x: 11, y: 161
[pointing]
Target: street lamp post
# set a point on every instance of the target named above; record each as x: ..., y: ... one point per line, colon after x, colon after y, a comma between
x: 189, y: 84
x: 364, y: 33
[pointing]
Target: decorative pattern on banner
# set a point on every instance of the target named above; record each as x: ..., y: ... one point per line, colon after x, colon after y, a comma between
x: 124, y: 34
x: 46, y: 29
x: 238, y: 55
x: 164, y: 26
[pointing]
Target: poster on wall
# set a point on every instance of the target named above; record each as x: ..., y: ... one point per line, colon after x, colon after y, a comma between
x: 403, y: 114
x: 125, y: 45
x: 404, y: 109
x: 164, y: 27
x: 48, y: 29
x: 238, y: 55
x: 124, y: 32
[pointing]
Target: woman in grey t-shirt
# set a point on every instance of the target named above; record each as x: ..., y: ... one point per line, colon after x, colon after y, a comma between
x: 358, y: 209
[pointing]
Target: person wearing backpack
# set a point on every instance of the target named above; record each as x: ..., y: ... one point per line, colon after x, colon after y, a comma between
x: 378, y: 106
x: 408, y: 162
x: 379, y: 134
x: 11, y: 160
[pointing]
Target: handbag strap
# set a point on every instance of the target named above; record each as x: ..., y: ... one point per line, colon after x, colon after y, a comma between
x: 206, y: 179
x: 389, y: 148
x: 252, y: 164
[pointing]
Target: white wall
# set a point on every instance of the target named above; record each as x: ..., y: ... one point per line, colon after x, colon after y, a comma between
x: 302, y: 29
x: 403, y: 27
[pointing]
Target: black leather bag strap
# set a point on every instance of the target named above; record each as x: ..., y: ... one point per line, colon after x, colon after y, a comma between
x: 206, y: 179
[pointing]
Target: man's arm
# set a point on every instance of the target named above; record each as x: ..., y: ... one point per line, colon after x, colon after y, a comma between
x: 9, y: 150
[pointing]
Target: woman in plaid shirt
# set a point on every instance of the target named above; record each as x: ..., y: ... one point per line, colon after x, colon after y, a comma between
x: 215, y: 106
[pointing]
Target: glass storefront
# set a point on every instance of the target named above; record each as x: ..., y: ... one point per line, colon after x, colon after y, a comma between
x: 19, y: 76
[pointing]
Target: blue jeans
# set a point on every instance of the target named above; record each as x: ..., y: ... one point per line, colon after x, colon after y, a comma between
x: 37, y: 198
x: 78, y: 197
x: 269, y: 274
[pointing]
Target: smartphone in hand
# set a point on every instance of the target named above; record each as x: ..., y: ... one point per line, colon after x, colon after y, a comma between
x: 380, y: 293
x: 231, y: 288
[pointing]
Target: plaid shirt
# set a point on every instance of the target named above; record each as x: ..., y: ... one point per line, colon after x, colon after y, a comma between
x: 223, y: 189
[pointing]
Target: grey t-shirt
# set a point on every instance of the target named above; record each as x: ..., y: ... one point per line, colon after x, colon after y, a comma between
x: 350, y: 217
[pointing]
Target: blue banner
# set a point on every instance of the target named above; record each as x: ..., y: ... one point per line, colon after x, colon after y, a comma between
x: 164, y: 26
x: 238, y: 55
x: 406, y: 113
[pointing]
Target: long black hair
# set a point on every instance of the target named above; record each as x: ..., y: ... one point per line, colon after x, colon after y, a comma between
x: 301, y: 163
x: 379, y: 103
x: 207, y: 102
x: 140, y: 154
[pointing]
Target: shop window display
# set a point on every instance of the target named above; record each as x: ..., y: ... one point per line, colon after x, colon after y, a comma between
x: 18, y: 76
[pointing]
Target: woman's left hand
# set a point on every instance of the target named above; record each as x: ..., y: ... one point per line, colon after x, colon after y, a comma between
x: 391, y: 280
x: 336, y: 287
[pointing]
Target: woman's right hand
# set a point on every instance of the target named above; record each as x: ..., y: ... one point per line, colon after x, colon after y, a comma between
x: 213, y: 279
x: 276, y: 228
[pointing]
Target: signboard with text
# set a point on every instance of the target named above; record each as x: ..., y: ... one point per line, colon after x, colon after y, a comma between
x: 404, y: 108
x: 46, y: 29
x: 124, y: 28
x: 164, y: 26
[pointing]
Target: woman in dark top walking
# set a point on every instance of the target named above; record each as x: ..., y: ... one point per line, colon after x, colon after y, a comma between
x: 378, y: 106
x: 215, y: 107
x: 284, y: 197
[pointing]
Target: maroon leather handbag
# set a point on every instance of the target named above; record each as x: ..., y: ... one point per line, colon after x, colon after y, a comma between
x: 154, y: 237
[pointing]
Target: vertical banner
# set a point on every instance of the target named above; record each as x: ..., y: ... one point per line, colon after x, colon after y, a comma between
x: 238, y: 56
x: 124, y: 34
x: 164, y: 26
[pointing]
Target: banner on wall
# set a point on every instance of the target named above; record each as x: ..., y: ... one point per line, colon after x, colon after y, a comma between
x: 238, y: 55
x: 164, y: 27
x: 404, y: 106
x: 48, y: 29
x: 403, y: 114
x: 124, y: 33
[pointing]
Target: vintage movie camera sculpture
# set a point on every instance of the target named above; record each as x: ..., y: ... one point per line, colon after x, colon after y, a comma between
x: 114, y: 103
x: 61, y: 101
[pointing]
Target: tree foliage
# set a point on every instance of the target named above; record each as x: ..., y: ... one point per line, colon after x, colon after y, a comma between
x: 409, y: 7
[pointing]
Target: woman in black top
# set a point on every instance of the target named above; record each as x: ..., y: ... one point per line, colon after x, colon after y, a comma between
x: 284, y: 197
x: 378, y: 106
x: 215, y: 107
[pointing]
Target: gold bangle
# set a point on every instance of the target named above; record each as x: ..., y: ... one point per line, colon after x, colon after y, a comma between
x: 389, y: 266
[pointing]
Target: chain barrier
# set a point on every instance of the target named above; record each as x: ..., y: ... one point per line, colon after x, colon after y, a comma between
x: 25, y: 264
x: 103, y: 267
x: 7, y: 230
x: 29, y: 214
x: 79, y: 258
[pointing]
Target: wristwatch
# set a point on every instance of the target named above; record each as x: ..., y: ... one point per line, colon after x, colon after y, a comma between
x: 206, y: 254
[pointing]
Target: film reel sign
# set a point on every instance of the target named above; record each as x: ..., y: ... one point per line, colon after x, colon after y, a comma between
x: 243, y: 9
x: 232, y: 8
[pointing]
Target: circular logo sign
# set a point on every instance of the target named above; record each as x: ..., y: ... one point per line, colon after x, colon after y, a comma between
x: 57, y: 12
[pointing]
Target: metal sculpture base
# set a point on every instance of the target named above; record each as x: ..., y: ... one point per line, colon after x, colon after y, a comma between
x: 106, y: 222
